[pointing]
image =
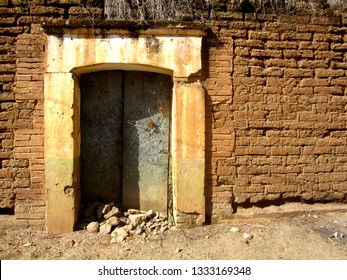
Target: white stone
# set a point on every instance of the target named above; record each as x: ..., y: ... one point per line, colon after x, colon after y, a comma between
x: 113, y: 221
x: 93, y: 227
x: 120, y: 232
x: 234, y: 229
x: 107, y: 208
x: 105, y: 228
x: 136, y: 219
x: 248, y: 236
x: 113, y: 212
x: 150, y: 214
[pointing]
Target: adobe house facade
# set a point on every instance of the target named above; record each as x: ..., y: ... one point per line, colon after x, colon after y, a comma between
x: 243, y: 110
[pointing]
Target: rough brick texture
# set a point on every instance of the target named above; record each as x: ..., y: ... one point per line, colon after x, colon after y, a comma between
x: 276, y: 112
x: 276, y: 107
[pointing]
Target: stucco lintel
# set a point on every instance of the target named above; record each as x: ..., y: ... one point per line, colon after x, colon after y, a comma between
x: 179, y: 54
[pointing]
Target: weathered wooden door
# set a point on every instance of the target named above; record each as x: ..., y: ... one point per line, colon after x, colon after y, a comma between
x: 125, y: 124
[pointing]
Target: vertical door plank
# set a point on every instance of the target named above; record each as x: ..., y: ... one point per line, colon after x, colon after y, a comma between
x: 146, y: 140
x: 101, y: 136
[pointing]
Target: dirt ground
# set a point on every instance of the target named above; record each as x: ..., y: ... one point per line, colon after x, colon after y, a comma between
x: 300, y: 235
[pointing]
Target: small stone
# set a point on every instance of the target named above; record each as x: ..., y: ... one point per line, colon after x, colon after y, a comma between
x: 105, y: 228
x: 248, y: 236
x: 93, y: 227
x: 234, y: 229
x: 90, y: 210
x: 136, y: 219
x: 134, y: 211
x: 113, y: 212
x: 120, y: 232
x: 107, y: 208
x: 113, y: 221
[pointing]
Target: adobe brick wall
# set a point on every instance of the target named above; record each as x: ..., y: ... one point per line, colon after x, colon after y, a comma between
x: 276, y: 107
x: 276, y: 111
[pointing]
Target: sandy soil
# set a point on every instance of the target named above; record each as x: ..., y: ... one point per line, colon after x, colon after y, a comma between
x: 301, y: 236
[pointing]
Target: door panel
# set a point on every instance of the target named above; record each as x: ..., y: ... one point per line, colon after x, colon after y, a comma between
x: 101, y: 135
x: 146, y: 140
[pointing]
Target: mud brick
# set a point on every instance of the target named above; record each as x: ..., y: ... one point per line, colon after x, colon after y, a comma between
x: 242, y: 51
x: 338, y: 81
x: 274, y: 62
x: 329, y: 90
x: 234, y: 33
x: 266, y: 53
x: 312, y: 28
x: 320, y: 46
x: 7, y: 20
x: 322, y: 73
x: 281, y: 45
x: 259, y: 44
x: 41, y: 10
x: 323, y: 37
x: 297, y: 36
x: 339, y: 47
x: 273, y: 71
x: 64, y: 2
x: 332, y: 177
x: 338, y: 65
x: 263, y: 35
x: 15, y: 163
x: 328, y: 55
x: 313, y: 64
x: 298, y: 73
x: 296, y: 54
x: 314, y: 82
x: 7, y: 68
x: 275, y: 26
x: 11, y: 30
x: 81, y: 12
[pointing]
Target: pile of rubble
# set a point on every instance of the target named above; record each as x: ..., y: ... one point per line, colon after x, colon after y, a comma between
x: 108, y: 219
